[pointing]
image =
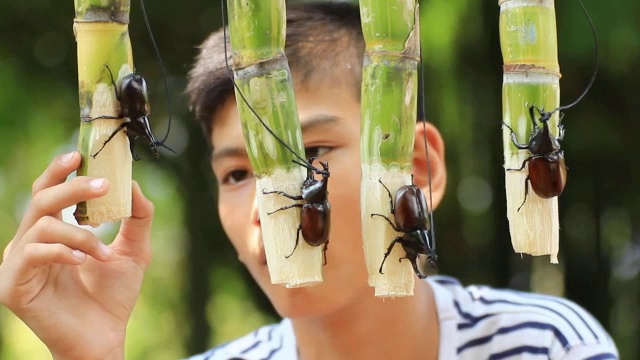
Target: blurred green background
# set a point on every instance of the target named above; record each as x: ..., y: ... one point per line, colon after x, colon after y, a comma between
x: 196, y: 291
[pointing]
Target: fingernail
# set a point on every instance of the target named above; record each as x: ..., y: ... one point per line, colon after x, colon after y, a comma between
x: 97, y: 184
x: 66, y: 158
x: 104, y: 249
x: 79, y: 255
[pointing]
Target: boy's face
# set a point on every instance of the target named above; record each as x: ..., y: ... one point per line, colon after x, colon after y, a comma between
x: 330, y: 120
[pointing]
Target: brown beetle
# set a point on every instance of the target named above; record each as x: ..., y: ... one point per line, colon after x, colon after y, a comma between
x: 547, y: 169
x: 410, y: 214
x: 315, y: 216
x: 134, y: 105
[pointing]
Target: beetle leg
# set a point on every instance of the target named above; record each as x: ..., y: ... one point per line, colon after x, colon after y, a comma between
x: 297, y: 240
x: 523, y: 164
x: 411, y: 251
x: 285, y: 208
x: 324, y: 252
x: 292, y: 197
x: 389, y: 192
x: 102, y: 117
x: 431, y: 259
x: 386, y: 254
x: 132, y: 144
x: 526, y: 192
x: 560, y: 128
x: 414, y: 265
x: 122, y: 126
x: 389, y: 221
x: 514, y: 139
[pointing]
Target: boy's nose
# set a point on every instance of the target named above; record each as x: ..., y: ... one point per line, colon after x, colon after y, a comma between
x: 255, y: 215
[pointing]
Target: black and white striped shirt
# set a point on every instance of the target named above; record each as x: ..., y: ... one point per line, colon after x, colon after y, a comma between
x: 476, y: 322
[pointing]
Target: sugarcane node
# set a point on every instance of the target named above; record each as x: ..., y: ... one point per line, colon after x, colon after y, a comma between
x: 547, y: 172
x: 315, y: 213
x: 410, y: 215
x: 134, y: 108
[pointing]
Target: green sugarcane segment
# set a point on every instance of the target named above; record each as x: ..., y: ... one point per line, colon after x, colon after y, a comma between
x: 519, y: 92
x: 389, y: 105
x: 389, y: 111
x: 268, y: 88
x: 528, y: 35
x: 535, y: 228
x: 528, y: 39
x: 101, y: 42
x: 263, y: 78
x: 257, y: 30
x: 387, y: 24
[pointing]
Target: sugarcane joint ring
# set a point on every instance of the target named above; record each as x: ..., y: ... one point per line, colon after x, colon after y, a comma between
x: 548, y: 3
x: 529, y: 68
x: 240, y: 62
x: 382, y: 53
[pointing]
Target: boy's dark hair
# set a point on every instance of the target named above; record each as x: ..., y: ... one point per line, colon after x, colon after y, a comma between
x: 324, y: 43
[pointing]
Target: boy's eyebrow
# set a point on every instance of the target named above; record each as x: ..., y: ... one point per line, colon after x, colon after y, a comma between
x: 308, y: 124
x: 228, y: 152
x: 318, y: 120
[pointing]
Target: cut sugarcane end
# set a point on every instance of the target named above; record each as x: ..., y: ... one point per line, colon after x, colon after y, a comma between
x: 398, y: 278
x: 535, y: 229
x: 304, y: 267
x: 113, y: 163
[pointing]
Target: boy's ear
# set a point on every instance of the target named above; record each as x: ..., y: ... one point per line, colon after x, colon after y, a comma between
x: 435, y: 166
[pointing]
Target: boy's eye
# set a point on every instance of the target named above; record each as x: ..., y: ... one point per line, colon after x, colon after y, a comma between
x: 315, y: 151
x: 235, y: 176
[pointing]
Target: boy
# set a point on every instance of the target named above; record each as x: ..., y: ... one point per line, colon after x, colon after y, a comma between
x: 77, y: 294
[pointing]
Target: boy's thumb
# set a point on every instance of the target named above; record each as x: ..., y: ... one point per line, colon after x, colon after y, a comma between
x: 134, y: 238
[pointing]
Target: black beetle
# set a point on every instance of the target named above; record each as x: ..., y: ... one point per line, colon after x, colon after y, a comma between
x: 410, y: 213
x: 134, y: 106
x: 547, y: 169
x: 315, y: 215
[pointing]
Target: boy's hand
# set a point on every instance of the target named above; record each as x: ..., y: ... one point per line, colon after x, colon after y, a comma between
x: 75, y: 293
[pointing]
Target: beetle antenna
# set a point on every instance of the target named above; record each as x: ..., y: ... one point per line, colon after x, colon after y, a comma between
x: 595, y: 71
x: 244, y: 99
x: 422, y: 113
x: 164, y: 72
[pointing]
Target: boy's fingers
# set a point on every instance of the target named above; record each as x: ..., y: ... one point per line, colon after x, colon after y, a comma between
x: 51, y: 200
x: 52, y: 230
x: 134, y: 238
x: 41, y: 254
x: 57, y: 172
x: 6, y: 250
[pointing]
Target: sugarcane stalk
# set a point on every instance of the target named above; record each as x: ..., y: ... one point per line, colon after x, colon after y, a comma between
x: 528, y: 40
x: 101, y: 31
x: 389, y: 110
x: 262, y: 74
